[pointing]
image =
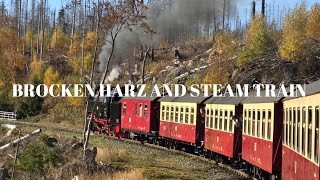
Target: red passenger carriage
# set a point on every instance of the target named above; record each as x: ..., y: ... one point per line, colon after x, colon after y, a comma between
x: 300, y: 150
x: 182, y: 121
x: 140, y: 116
x: 223, y: 134
x: 262, y: 134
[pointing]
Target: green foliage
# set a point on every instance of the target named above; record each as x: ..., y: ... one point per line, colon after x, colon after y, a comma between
x: 30, y: 106
x: 196, y: 79
x: 62, y: 111
x: 6, y: 103
x: 225, y: 45
x: 258, y: 41
x: 313, y: 25
x: 60, y: 41
x: 39, y: 156
x: 293, y: 45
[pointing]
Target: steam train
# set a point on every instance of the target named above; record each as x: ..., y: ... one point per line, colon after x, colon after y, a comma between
x: 268, y: 137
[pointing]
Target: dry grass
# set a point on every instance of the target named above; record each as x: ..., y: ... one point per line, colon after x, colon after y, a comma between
x: 107, y: 156
x: 127, y: 175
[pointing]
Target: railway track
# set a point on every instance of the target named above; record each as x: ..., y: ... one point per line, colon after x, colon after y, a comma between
x: 55, y: 128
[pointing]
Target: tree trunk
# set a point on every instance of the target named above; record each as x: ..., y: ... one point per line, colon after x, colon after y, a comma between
x: 83, y: 39
x: 144, y: 64
x: 86, y: 129
x: 223, y: 14
x: 253, y: 9
x: 263, y: 7
x: 73, y: 20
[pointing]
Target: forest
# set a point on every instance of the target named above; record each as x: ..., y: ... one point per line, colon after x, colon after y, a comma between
x: 150, y: 42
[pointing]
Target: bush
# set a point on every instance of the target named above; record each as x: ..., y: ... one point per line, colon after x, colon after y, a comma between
x: 39, y: 156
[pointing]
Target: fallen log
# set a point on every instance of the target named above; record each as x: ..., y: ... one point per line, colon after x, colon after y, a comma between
x: 21, y: 139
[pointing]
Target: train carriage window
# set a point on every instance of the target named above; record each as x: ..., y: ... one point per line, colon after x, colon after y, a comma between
x: 162, y: 113
x: 289, y: 128
x: 167, y: 113
x: 220, y: 120
x: 145, y: 110
x: 211, y: 119
x: 216, y: 119
x: 303, y: 134
x: 309, y: 132
x: 140, y: 110
x: 177, y: 114
x: 258, y: 123
x: 124, y: 111
x: 136, y: 109
x: 187, y: 116
x: 263, y: 124
x: 245, y: 122
x: 249, y: 122
x: 294, y: 130
x: 181, y: 114
x: 285, y: 136
x: 298, y: 128
x: 269, y: 124
x: 316, y: 136
x: 207, y: 117
x: 225, y: 124
x: 192, y: 115
x: 172, y: 114
x: 253, y: 122
x: 231, y: 119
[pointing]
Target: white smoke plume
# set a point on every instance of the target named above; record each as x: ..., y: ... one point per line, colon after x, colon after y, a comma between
x: 169, y: 19
x: 114, y: 74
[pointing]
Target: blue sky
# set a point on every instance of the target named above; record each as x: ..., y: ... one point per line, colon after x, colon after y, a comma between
x: 242, y: 5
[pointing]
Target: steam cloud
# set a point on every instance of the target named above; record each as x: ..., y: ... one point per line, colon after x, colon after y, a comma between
x: 168, y: 22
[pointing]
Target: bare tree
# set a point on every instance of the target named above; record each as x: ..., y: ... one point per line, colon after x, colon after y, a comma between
x: 74, y: 9
x: 83, y: 37
x: 119, y: 17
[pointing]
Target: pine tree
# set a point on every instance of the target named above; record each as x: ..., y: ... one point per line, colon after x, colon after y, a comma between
x: 258, y: 41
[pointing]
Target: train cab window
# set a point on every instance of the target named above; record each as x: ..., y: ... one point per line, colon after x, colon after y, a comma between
x: 167, y: 113
x: 220, y: 120
x: 309, y: 132
x: 172, y: 114
x: 294, y: 129
x: 249, y: 122
x: 303, y: 134
x: 216, y: 119
x: 298, y: 128
x: 231, y: 119
x: 316, y: 136
x: 211, y: 119
x: 124, y: 110
x: 263, y: 124
x: 177, y: 114
x: 145, y: 110
x: 225, y: 124
x: 187, y: 116
x: 245, y: 122
x: 269, y: 125
x: 162, y: 113
x: 253, y: 122
x: 181, y: 114
x: 258, y: 123
x: 192, y: 115
x: 140, y: 110
x: 207, y: 117
x: 289, y: 135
